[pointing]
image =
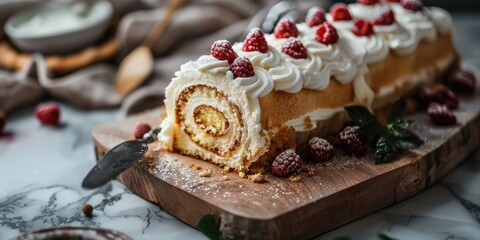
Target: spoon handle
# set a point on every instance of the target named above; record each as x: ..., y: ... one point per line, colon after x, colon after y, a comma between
x: 162, y: 25
x: 151, y: 136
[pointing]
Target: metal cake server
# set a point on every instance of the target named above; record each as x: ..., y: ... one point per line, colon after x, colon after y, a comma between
x: 118, y: 159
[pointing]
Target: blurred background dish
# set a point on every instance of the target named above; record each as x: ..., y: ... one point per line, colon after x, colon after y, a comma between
x: 56, y: 28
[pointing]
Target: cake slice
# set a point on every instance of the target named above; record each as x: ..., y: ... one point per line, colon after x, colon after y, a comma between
x: 243, y: 104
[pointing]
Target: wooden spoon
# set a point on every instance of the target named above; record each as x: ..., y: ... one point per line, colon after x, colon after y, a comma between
x: 137, y: 65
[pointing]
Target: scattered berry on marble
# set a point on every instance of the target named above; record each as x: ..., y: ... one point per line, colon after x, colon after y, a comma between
x: 222, y: 50
x: 285, y: 28
x: 295, y: 49
x: 242, y: 67
x: 48, y: 113
x: 353, y: 141
x: 462, y: 81
x: 285, y: 163
x: 368, y: 2
x: 315, y: 17
x: 140, y: 129
x: 412, y: 5
x: 362, y: 27
x: 326, y: 34
x: 255, y: 41
x: 320, y: 149
x: 441, y: 115
x: 386, y: 18
x: 340, y: 12
x: 87, y: 210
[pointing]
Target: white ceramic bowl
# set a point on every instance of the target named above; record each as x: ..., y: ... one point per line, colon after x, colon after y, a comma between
x: 56, y: 29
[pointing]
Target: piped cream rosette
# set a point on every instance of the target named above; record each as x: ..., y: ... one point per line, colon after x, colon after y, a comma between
x: 213, y: 117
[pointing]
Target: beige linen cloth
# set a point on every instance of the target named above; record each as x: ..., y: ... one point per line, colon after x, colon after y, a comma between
x: 192, y: 31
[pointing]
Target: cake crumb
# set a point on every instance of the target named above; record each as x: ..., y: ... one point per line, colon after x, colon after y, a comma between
x: 198, y: 167
x: 241, y: 174
x: 224, y: 178
x: 205, y: 173
x: 256, y: 178
x: 308, y: 123
x: 311, y: 171
x: 191, y: 165
x: 225, y: 170
x: 294, y: 178
x: 87, y: 210
x: 151, y: 165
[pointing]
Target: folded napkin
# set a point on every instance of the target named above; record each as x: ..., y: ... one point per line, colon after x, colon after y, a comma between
x: 193, y: 29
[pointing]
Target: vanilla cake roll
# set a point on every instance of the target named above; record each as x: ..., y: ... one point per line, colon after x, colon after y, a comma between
x: 297, y: 81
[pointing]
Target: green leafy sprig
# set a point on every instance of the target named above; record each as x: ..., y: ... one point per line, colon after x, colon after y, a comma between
x: 393, y: 138
x: 208, y: 226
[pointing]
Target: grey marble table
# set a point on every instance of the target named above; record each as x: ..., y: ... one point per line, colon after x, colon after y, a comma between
x: 41, y: 169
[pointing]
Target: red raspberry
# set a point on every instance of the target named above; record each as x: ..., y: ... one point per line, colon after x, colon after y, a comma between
x: 320, y: 149
x: 441, y: 115
x: 315, y: 16
x: 340, y: 12
x: 387, y: 18
x: 353, y: 141
x: 424, y: 97
x: 412, y: 5
x: 222, y: 50
x: 368, y: 2
x: 462, y: 81
x: 294, y: 49
x: 445, y: 96
x: 242, y: 67
x: 140, y: 129
x: 255, y: 41
x: 326, y: 34
x: 362, y: 27
x: 285, y: 163
x: 286, y: 28
x: 48, y: 113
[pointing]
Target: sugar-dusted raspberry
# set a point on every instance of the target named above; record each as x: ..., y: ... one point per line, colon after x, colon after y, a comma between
x: 462, y: 81
x: 412, y: 5
x: 48, y: 113
x: 315, y: 16
x: 140, y: 129
x: 285, y: 163
x: 326, y: 34
x: 424, y: 97
x: 368, y: 2
x: 255, y: 41
x: 320, y: 149
x: 340, y: 12
x: 285, y: 28
x: 294, y: 49
x: 222, y: 50
x: 242, y: 67
x: 445, y: 96
x: 386, y: 18
x: 353, y: 141
x: 441, y: 115
x: 362, y: 27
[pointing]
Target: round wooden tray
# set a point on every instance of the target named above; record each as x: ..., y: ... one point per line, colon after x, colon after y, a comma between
x: 13, y: 59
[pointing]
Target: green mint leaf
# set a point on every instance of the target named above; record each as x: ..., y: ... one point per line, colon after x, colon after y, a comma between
x: 362, y: 117
x: 385, y: 150
x: 382, y: 236
x: 400, y: 123
x: 404, y: 139
x: 209, y: 227
x: 398, y: 109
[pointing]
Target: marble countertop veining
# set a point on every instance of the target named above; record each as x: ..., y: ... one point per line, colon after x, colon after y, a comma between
x: 42, y: 168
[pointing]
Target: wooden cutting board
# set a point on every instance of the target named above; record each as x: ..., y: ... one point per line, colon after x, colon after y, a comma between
x: 341, y: 191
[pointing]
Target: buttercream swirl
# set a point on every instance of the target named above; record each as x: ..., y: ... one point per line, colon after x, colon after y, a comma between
x: 258, y: 85
x: 418, y: 23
